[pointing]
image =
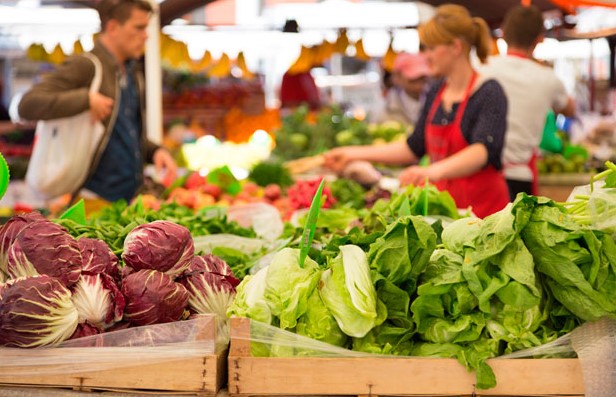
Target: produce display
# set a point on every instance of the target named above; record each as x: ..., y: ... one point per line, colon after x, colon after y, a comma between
x: 398, y: 273
x: 472, y: 290
x: 58, y: 287
x: 304, y: 134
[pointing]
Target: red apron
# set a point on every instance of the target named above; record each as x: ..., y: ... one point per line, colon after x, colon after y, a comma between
x: 486, y: 190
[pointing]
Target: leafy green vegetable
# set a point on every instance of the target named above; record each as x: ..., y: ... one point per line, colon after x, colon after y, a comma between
x: 288, y: 286
x: 270, y: 172
x: 250, y: 299
x: 348, y: 193
x: 401, y: 254
x: 348, y: 292
x: 579, y: 273
x: 113, y: 224
x: 239, y: 262
x: 318, y: 323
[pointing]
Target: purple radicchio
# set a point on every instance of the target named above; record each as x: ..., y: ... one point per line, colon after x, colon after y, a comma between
x: 36, y: 311
x: 10, y: 230
x: 153, y: 297
x: 85, y: 329
x: 160, y: 245
x: 211, y: 286
x: 98, y: 258
x: 45, y: 248
x: 98, y: 300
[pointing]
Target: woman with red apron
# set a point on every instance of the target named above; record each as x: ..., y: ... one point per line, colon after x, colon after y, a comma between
x: 464, y: 146
x: 484, y: 191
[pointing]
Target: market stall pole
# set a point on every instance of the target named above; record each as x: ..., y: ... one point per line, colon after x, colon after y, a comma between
x: 153, y: 78
x: 395, y: 376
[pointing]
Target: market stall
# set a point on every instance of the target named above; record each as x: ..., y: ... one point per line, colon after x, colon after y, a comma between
x: 259, y: 272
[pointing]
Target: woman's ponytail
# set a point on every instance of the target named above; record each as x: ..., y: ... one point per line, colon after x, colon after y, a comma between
x: 483, y: 39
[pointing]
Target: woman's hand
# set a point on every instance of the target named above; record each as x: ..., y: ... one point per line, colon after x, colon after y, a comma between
x: 417, y: 175
x: 337, y: 158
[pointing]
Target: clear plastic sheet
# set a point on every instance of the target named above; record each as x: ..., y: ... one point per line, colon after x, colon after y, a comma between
x: 266, y: 339
x: 264, y: 219
x: 123, y: 348
x: 600, y: 206
x: 593, y: 343
x: 246, y: 245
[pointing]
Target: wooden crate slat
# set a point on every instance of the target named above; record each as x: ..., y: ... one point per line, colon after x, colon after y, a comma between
x: 391, y: 376
x: 205, y: 375
x: 188, y: 374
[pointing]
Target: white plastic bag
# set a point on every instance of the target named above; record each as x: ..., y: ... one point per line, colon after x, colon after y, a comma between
x: 263, y: 218
x: 65, y: 149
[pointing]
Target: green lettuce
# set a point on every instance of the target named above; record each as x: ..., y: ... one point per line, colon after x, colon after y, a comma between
x: 347, y: 290
x: 318, y: 323
x: 402, y: 253
x: 249, y: 300
x: 288, y: 286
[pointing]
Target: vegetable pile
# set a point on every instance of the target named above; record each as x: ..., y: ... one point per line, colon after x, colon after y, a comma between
x: 57, y: 287
x: 473, y: 290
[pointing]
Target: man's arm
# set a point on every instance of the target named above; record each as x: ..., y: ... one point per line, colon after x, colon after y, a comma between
x: 61, y: 93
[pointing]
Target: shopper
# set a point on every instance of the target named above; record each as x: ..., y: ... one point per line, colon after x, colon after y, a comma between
x: 532, y: 90
x: 403, y: 101
x: 462, y: 124
x: 119, y: 104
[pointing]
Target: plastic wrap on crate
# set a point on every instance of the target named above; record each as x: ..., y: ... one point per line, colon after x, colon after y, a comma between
x: 123, y: 348
x: 595, y: 345
x: 268, y: 340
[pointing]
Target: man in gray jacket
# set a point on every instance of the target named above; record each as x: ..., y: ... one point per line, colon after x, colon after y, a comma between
x: 119, y: 104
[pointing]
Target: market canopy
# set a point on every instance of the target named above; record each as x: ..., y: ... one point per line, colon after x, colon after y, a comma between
x: 492, y: 10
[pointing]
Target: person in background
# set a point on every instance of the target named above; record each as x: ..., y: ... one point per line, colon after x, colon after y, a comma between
x: 532, y: 91
x: 403, y: 101
x: 6, y: 125
x: 298, y: 89
x: 462, y: 125
x: 119, y: 104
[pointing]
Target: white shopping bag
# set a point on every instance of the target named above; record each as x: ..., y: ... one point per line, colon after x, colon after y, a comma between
x: 65, y: 149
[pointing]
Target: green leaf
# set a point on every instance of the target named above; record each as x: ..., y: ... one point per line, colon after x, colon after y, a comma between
x: 224, y: 179
x: 77, y: 213
x: 311, y: 224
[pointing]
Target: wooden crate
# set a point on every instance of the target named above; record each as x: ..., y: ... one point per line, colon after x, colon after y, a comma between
x: 202, y: 376
x: 376, y: 376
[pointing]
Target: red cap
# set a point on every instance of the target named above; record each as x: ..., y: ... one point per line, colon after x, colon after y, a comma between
x: 411, y: 66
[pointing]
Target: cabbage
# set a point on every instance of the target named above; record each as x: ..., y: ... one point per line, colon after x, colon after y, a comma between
x: 36, y: 311
x: 160, y: 245
x: 98, y: 258
x: 250, y: 301
x: 288, y: 286
x: 347, y: 290
x: 98, y: 300
x: 211, y: 287
x: 45, y: 248
x: 10, y: 230
x: 153, y: 297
